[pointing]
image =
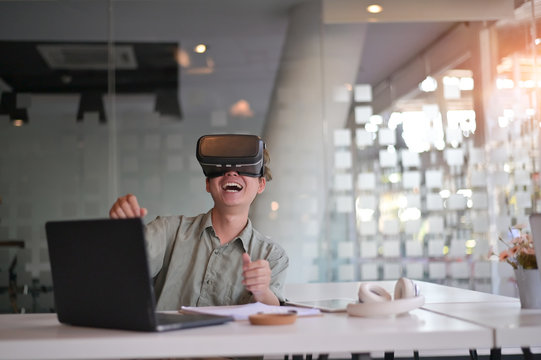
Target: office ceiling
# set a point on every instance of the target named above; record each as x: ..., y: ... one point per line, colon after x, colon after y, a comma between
x: 244, y: 39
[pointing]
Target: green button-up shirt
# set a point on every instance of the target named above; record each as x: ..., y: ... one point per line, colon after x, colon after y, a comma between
x: 191, y: 268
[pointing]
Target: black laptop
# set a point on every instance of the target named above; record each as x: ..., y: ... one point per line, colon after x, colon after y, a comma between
x: 101, y: 278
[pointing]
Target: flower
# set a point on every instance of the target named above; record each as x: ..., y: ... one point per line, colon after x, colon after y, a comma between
x: 520, y: 251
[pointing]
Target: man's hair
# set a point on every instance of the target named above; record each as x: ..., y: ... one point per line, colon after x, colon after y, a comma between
x: 266, y: 161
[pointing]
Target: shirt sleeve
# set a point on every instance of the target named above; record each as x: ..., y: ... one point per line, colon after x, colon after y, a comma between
x: 278, y: 262
x: 157, y: 242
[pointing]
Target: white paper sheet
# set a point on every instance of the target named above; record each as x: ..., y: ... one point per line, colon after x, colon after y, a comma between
x: 242, y: 312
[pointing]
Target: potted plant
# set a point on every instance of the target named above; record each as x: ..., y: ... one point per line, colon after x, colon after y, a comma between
x: 520, y: 254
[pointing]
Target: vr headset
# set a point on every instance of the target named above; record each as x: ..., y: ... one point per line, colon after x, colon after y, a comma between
x: 219, y: 154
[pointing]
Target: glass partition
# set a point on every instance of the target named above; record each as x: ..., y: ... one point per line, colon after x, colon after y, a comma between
x: 386, y: 162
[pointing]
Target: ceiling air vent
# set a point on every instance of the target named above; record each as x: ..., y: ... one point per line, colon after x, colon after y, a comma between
x: 87, y: 56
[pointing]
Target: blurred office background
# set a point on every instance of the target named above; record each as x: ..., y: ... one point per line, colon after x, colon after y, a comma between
x: 404, y: 139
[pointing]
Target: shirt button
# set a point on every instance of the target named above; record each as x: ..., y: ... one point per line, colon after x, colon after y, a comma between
x: 216, y: 252
x: 209, y: 281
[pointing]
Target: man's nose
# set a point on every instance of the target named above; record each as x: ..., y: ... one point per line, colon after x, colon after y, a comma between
x: 231, y: 173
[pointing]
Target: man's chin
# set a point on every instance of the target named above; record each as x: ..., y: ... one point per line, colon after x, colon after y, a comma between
x: 232, y: 199
x: 232, y: 202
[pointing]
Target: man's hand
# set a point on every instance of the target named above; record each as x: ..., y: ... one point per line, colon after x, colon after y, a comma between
x: 127, y: 207
x: 257, y: 277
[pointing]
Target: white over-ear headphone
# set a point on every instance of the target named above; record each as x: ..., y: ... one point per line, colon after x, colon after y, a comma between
x: 376, y: 301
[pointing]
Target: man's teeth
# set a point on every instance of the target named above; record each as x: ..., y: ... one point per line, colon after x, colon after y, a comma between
x: 232, y: 187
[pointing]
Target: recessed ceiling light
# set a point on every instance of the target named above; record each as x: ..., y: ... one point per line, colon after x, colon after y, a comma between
x: 374, y: 9
x: 200, y: 48
x: 241, y: 108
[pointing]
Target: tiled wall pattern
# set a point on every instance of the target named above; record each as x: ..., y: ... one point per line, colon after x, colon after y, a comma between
x: 433, y: 215
x: 57, y: 168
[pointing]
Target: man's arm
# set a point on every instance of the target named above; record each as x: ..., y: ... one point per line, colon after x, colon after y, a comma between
x: 127, y: 206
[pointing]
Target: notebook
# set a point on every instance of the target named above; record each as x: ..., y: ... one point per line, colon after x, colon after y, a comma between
x: 101, y: 278
x: 535, y: 226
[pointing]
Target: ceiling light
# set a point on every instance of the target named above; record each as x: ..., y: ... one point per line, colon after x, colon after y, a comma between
x: 8, y: 106
x: 91, y: 102
x: 241, y: 108
x: 200, y: 48
x: 19, y: 117
x: 374, y: 9
x: 167, y: 103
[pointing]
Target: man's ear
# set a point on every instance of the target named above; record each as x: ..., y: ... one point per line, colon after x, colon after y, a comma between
x: 207, y: 184
x: 262, y: 185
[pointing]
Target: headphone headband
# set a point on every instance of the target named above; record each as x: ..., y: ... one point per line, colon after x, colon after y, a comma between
x: 393, y: 307
x: 374, y: 300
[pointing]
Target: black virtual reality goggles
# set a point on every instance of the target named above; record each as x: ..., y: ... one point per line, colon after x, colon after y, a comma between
x: 219, y: 154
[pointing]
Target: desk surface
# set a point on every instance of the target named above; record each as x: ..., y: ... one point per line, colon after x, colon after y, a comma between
x: 40, y: 336
x: 433, y: 293
x: 513, y: 326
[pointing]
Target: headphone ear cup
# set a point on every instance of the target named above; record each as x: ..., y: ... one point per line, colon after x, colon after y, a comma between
x: 404, y: 288
x: 371, y: 293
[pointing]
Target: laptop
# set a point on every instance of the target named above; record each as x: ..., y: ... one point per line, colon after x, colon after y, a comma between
x: 535, y: 226
x: 101, y: 278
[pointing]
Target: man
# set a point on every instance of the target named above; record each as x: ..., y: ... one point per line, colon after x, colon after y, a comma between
x: 216, y: 258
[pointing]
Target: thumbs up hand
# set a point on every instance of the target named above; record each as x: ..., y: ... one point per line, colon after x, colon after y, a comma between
x: 257, y: 277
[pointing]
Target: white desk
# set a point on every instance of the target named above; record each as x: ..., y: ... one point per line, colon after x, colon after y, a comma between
x: 513, y: 327
x: 434, y: 293
x: 40, y: 336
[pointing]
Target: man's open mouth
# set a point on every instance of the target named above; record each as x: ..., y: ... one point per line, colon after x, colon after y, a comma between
x: 232, y: 187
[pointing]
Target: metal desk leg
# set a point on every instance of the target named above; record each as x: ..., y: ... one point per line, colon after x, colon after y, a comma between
x: 527, y: 352
x: 473, y: 354
x: 495, y: 354
x: 360, y: 356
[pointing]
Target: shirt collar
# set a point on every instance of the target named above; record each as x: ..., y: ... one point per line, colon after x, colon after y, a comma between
x: 245, y: 236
